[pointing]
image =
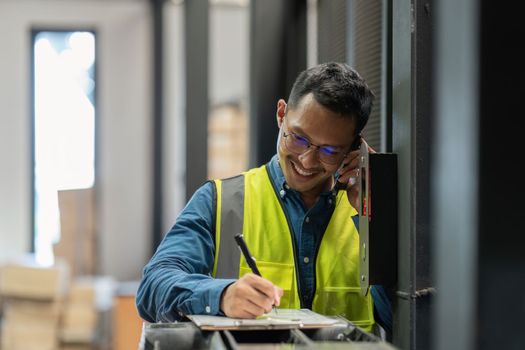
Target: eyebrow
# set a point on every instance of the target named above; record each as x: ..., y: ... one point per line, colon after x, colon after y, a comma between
x: 301, y: 133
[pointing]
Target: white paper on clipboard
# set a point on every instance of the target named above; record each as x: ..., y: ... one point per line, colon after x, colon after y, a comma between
x: 282, y: 319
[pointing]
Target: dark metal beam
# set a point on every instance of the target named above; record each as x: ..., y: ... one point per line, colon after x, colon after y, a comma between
x: 423, y: 120
x: 501, y: 260
x: 402, y: 111
x: 277, y: 55
x: 158, y: 113
x: 412, y: 107
x: 196, y: 47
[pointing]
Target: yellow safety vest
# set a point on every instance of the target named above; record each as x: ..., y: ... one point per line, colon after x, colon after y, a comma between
x: 248, y: 204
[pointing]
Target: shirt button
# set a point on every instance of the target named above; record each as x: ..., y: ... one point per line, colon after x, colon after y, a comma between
x: 282, y: 193
x: 330, y: 201
x: 306, y: 260
x: 286, y: 186
x: 307, y: 219
x: 208, y: 309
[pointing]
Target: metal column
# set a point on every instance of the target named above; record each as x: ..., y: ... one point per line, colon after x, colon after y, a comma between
x: 158, y: 115
x: 277, y: 55
x: 412, y: 108
x: 197, y: 52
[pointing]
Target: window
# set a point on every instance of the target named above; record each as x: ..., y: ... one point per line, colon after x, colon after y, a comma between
x: 64, y: 126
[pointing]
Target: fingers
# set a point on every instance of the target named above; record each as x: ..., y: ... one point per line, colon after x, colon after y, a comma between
x: 260, y: 284
x: 252, y: 310
x: 351, y: 160
x: 350, y: 179
x: 349, y: 173
x: 265, y: 289
x: 348, y: 176
x: 249, y: 297
x: 349, y: 170
x: 278, y: 293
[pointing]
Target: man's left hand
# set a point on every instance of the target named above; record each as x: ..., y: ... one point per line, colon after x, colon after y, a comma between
x: 350, y: 172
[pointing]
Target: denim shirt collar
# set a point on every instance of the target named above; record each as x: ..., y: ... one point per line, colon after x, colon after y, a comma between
x: 279, y: 180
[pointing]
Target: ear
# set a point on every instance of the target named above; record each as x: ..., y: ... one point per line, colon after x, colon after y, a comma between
x: 281, y: 112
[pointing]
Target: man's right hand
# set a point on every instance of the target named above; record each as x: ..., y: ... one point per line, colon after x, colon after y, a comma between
x: 249, y: 297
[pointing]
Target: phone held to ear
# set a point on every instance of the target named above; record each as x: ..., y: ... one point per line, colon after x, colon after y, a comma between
x: 355, y: 146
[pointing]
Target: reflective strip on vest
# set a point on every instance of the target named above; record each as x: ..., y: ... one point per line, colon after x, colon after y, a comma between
x: 231, y: 220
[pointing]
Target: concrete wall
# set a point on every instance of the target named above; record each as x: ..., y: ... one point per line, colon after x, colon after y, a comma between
x: 124, y: 115
x: 123, y: 175
x: 229, y: 45
x: 174, y: 115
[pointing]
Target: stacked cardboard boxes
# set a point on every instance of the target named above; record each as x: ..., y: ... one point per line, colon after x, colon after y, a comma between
x: 79, y: 317
x: 32, y: 305
x: 77, y: 246
x: 227, y: 141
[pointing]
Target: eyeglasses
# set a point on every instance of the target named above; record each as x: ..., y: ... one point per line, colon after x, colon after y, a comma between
x: 298, y: 145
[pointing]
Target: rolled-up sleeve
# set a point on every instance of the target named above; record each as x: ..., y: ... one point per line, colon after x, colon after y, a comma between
x: 178, y: 278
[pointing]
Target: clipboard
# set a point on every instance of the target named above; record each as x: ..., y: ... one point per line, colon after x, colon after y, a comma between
x: 282, y: 319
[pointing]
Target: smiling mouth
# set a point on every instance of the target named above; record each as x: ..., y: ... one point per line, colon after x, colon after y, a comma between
x: 301, y: 171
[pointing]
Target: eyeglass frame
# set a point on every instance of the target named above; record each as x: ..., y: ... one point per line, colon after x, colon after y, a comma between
x: 309, y: 145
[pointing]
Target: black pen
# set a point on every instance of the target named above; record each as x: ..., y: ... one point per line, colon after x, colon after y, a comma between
x: 248, y: 257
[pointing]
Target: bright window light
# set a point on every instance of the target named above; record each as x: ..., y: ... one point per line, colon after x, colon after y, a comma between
x: 64, y: 127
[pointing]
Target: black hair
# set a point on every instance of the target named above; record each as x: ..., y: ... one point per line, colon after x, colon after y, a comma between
x: 337, y: 87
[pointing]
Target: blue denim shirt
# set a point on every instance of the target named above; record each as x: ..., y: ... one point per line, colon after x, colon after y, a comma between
x: 178, y: 280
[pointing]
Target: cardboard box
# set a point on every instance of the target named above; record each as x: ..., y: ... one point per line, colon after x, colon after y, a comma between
x: 82, y: 291
x: 29, y: 336
x: 77, y: 244
x: 227, y: 141
x: 79, y: 319
x: 26, y: 279
x: 23, y: 311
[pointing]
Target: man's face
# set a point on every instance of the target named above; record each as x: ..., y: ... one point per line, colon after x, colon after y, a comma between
x: 310, y: 120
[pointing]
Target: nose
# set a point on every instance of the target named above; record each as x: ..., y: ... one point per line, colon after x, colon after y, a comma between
x: 309, y: 158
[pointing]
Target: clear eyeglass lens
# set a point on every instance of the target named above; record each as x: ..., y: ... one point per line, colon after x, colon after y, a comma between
x: 330, y: 158
x: 297, y: 144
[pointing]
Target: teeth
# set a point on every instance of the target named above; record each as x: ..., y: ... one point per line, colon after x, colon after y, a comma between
x: 302, y: 172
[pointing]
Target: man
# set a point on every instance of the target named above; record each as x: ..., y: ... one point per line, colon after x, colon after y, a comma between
x: 299, y: 227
